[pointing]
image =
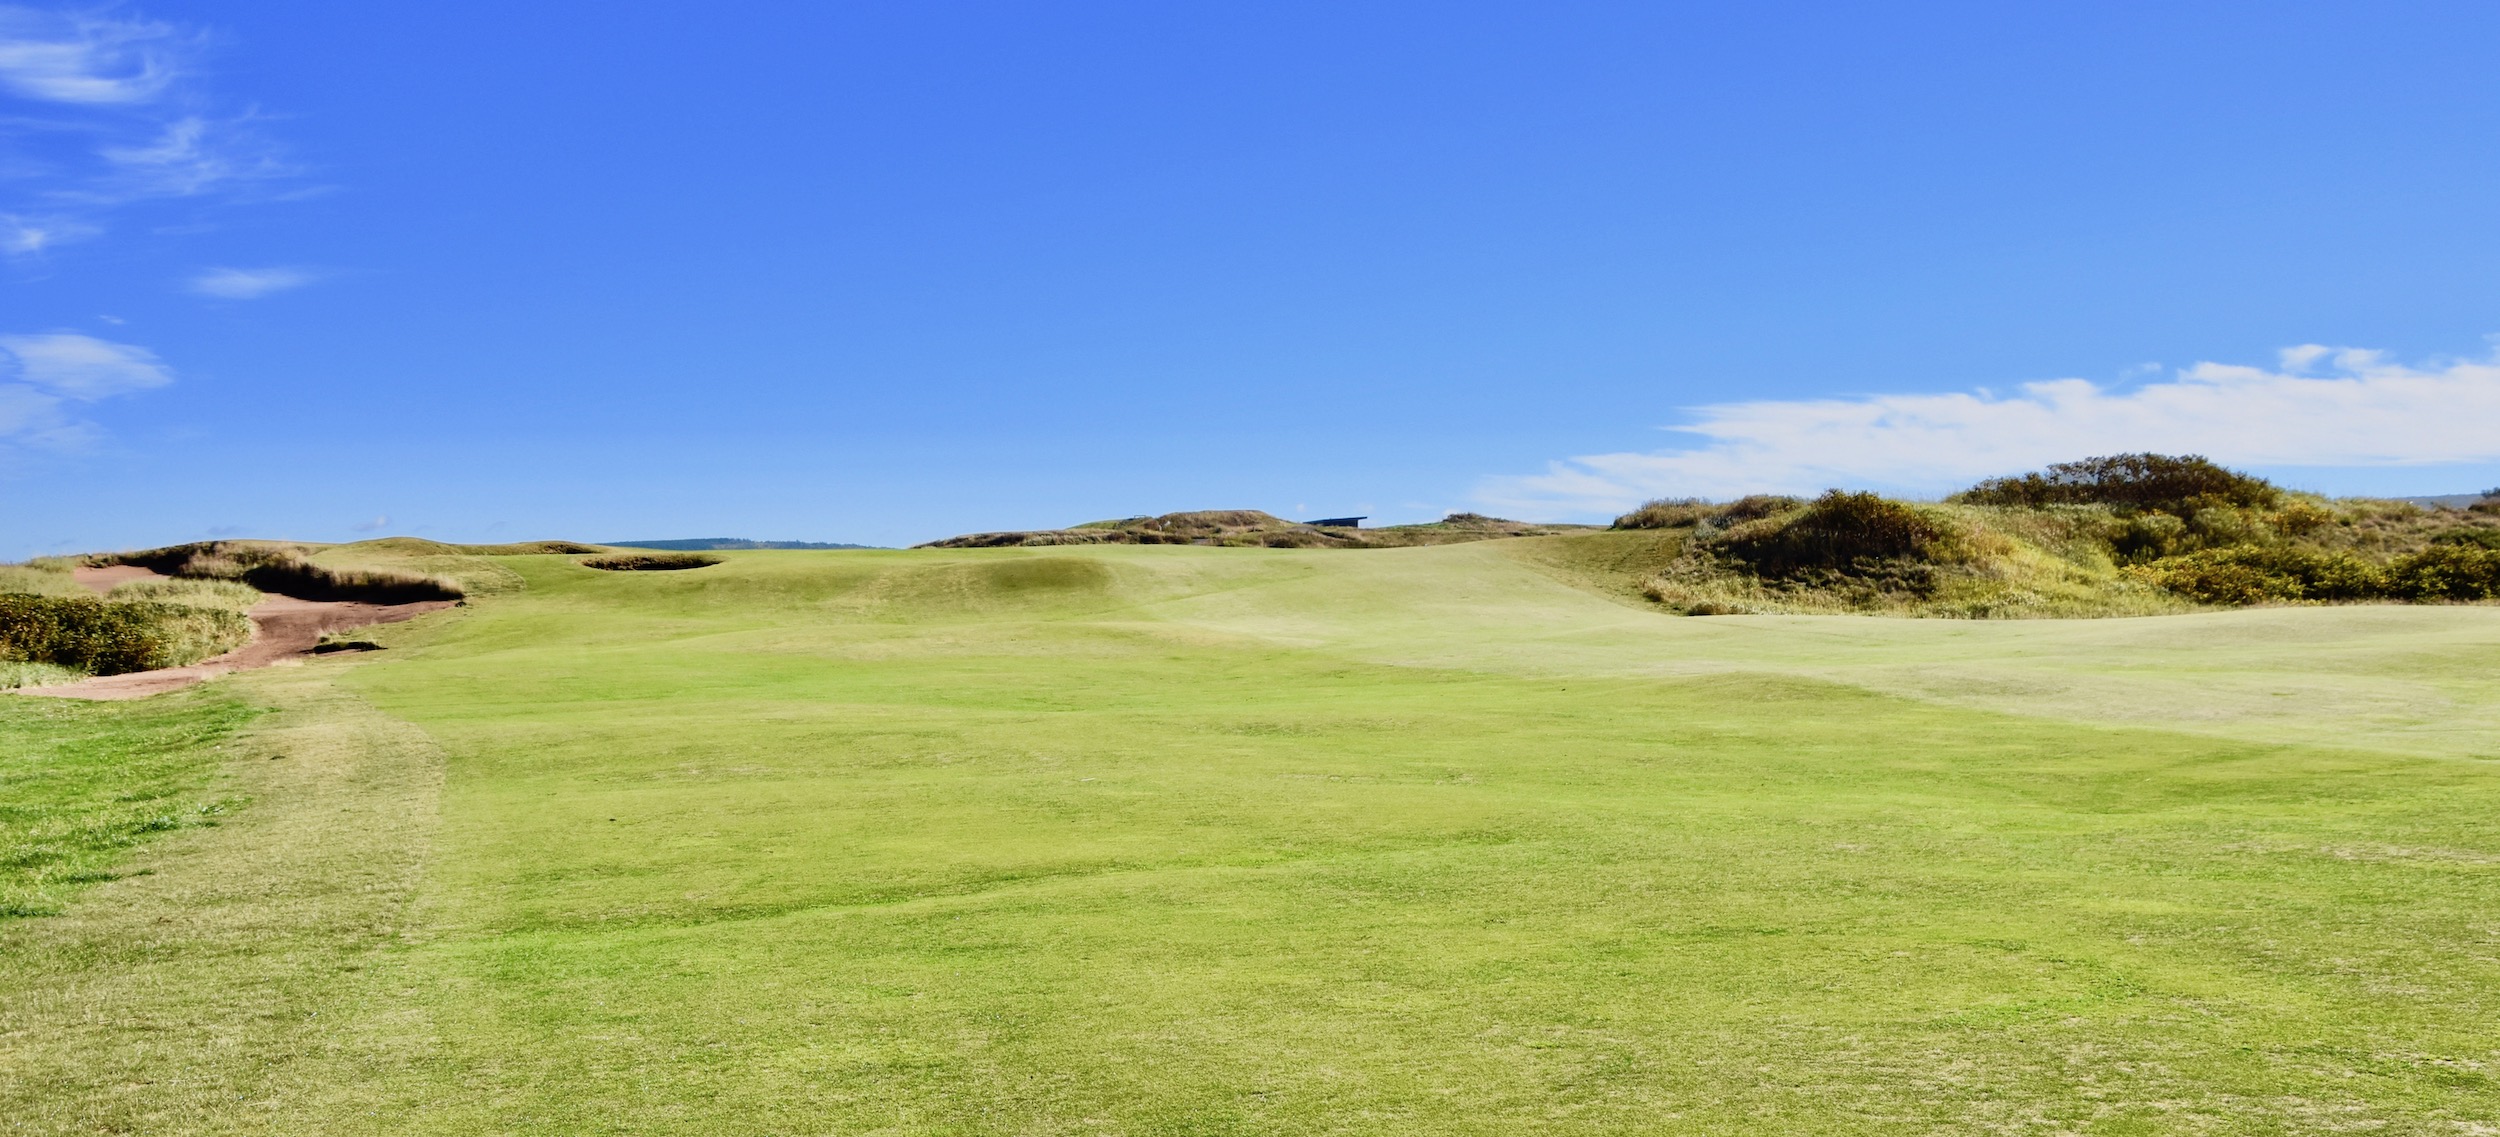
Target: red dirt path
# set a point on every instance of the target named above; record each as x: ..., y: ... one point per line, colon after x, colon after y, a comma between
x: 282, y: 628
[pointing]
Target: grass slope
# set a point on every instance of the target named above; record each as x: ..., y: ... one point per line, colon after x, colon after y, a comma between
x: 1455, y: 839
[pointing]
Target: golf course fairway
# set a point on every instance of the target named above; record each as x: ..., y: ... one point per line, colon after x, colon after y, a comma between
x: 1169, y: 840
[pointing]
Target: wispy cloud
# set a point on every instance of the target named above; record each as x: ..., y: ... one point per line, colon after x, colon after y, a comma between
x: 44, y: 377
x: 2318, y: 406
x: 21, y: 234
x: 110, y: 113
x: 83, y: 59
x: 248, y: 283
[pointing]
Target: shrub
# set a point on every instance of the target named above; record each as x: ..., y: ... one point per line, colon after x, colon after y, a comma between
x: 1846, y: 532
x: 650, y: 562
x: 2259, y: 575
x: 2475, y: 538
x: 2169, y: 484
x: 108, y: 639
x: 2301, y: 518
x: 2446, y: 572
x: 2144, y: 537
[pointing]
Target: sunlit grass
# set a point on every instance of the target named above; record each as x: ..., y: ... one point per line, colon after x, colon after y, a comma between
x: 82, y: 782
x: 1169, y: 840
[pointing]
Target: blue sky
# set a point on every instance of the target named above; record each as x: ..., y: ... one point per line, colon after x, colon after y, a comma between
x: 888, y: 272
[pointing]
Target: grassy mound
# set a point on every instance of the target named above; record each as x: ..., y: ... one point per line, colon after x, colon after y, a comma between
x: 44, y: 576
x: 650, y: 562
x: 109, y: 638
x: 287, y: 570
x: 2134, y: 534
x: 231, y: 595
x: 1251, y: 528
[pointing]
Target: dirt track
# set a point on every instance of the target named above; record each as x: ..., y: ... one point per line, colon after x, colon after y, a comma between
x: 282, y: 628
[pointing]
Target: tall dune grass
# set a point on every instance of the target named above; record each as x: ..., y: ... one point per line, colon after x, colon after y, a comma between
x: 285, y: 570
x: 40, y: 578
x: 231, y: 595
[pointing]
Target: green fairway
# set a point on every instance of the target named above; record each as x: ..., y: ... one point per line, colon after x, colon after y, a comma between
x: 1114, y: 839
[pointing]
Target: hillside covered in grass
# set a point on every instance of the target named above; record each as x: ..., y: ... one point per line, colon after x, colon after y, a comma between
x: 2134, y: 534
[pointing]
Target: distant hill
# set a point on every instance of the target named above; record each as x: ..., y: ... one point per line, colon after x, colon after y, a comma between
x: 708, y: 544
x: 1252, y: 528
x: 2450, y: 501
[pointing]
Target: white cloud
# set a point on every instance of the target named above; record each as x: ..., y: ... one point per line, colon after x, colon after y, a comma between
x: 2319, y: 406
x: 117, y: 118
x: 84, y: 368
x: 42, y: 377
x: 248, y: 283
x: 84, y: 60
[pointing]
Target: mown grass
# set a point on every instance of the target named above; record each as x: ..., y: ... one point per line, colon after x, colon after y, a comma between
x: 80, y: 783
x: 1163, y: 840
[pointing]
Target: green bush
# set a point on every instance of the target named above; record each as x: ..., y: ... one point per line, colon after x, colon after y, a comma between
x: 2162, y: 482
x: 2446, y: 572
x: 1852, y: 533
x: 2474, y: 538
x: 2251, y: 574
x: 2142, y: 537
x: 108, y: 638
x: 2300, y: 518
